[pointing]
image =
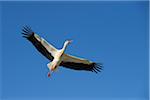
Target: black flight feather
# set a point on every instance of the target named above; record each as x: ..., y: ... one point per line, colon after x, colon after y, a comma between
x: 94, y: 67
x: 30, y: 35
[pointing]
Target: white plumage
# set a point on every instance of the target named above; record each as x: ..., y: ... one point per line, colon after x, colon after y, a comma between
x: 58, y: 57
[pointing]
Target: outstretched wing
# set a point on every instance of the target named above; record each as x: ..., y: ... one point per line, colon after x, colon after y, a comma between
x: 80, y: 64
x: 41, y: 44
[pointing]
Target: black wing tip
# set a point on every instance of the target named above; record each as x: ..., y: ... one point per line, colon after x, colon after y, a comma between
x: 97, y: 67
x: 27, y: 31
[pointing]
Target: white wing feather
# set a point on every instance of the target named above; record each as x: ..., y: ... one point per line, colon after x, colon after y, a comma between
x: 70, y: 58
x: 48, y: 46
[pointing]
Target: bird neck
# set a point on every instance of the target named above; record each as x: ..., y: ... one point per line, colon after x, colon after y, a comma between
x: 64, y: 47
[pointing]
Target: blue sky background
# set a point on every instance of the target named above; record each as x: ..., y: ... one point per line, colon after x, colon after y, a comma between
x: 114, y: 33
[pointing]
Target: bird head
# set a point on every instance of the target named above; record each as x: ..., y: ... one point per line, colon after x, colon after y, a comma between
x: 68, y: 42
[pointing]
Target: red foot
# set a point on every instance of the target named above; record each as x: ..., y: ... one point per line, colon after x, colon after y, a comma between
x: 48, y: 74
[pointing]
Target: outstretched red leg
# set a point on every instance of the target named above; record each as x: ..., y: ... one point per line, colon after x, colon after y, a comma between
x: 48, y: 74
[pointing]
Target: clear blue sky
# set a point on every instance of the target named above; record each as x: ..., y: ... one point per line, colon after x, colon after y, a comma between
x: 114, y: 33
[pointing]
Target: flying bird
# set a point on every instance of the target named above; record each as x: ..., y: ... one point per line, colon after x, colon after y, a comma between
x: 58, y: 57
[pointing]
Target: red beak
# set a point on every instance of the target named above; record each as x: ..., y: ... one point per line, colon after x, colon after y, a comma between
x: 70, y: 41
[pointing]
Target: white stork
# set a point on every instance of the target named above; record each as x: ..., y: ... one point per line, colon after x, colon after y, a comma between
x: 58, y: 57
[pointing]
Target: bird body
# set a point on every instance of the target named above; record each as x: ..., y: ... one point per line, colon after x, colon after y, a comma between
x: 58, y: 57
